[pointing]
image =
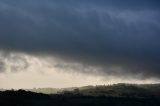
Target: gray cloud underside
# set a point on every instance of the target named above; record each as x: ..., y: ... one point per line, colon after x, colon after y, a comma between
x: 121, y: 37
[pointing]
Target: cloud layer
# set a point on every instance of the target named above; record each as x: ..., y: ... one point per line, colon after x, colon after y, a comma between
x: 121, y: 38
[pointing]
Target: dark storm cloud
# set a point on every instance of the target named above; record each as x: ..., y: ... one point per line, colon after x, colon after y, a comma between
x: 121, y: 37
x: 13, y: 62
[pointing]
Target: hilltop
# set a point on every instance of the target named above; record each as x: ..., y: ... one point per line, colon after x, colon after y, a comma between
x: 116, y: 90
x: 112, y: 95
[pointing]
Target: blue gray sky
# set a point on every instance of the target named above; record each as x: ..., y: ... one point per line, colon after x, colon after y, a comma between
x: 115, y: 37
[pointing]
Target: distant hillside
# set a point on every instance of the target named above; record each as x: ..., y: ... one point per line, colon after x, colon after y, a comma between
x: 44, y: 90
x: 56, y: 90
x: 2, y: 89
x: 115, y: 90
x: 123, y: 90
x: 27, y: 98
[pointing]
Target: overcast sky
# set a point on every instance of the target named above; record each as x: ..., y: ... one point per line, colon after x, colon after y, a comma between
x: 92, y: 41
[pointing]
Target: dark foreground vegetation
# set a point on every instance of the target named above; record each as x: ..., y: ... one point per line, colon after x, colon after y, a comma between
x: 117, y: 95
